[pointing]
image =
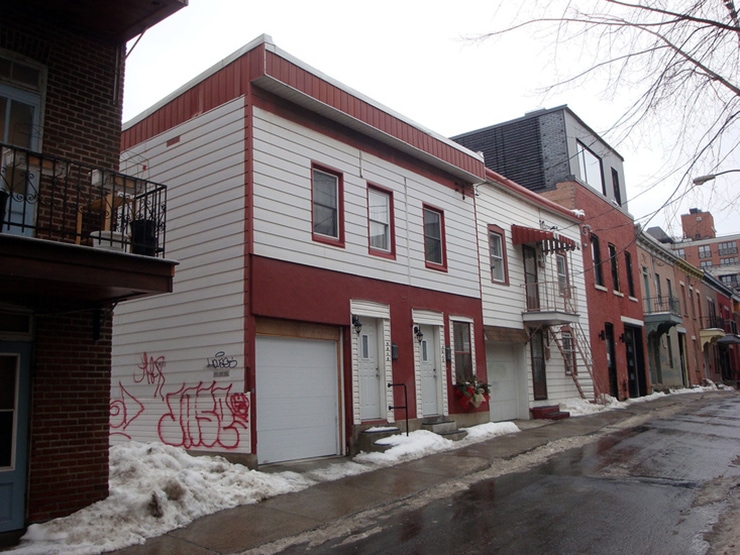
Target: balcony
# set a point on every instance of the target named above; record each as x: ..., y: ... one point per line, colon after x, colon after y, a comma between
x: 712, y: 329
x: 80, y: 233
x: 661, y: 314
x: 550, y: 303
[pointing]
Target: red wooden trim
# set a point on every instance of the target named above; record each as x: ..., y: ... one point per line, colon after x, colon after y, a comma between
x: 498, y: 230
x: 390, y: 254
x: 319, y: 238
x: 433, y: 265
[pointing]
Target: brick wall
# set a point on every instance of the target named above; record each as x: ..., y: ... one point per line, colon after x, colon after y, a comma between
x: 69, y: 416
x: 82, y: 116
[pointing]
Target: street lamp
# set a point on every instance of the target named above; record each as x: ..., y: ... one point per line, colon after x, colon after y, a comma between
x: 704, y: 178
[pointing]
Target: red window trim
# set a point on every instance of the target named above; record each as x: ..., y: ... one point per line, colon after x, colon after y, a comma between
x: 391, y: 254
x: 433, y: 265
x: 498, y: 230
x: 318, y: 237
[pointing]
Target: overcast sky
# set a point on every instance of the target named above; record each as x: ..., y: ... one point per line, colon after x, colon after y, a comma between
x: 414, y: 57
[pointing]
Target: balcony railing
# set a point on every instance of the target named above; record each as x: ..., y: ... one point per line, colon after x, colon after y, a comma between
x: 59, y: 200
x: 715, y: 322
x: 662, y: 304
x: 551, y: 296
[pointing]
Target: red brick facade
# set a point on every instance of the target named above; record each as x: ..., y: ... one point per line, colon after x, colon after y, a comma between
x: 609, y: 305
x: 69, y: 420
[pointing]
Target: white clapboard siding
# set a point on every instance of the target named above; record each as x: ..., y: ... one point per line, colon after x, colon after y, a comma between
x: 204, y: 317
x: 283, y: 155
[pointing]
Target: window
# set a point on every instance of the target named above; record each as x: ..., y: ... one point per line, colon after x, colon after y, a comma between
x: 380, y: 221
x: 615, y: 266
x: 705, y: 264
x: 705, y: 251
x: 729, y: 261
x: 596, y: 258
x: 730, y: 280
x: 562, y: 268
x: 327, y: 207
x: 615, y: 187
x: 683, y: 300
x: 569, y: 353
x: 589, y: 167
x: 630, y: 277
x: 433, y: 237
x: 497, y: 248
x: 681, y: 253
x: 727, y: 248
x: 463, y: 352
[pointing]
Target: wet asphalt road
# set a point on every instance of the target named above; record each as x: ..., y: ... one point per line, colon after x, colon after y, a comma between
x: 655, y: 489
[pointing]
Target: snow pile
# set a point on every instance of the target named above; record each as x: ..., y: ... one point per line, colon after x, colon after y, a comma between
x: 155, y: 488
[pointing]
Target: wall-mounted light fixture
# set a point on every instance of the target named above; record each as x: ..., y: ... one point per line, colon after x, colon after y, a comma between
x: 356, y: 323
x: 602, y: 335
x: 418, y: 333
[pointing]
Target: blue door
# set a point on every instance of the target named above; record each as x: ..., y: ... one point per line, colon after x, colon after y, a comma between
x: 14, y: 400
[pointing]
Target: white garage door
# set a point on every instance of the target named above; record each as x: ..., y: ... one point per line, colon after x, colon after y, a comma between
x: 297, y: 399
x: 502, y: 366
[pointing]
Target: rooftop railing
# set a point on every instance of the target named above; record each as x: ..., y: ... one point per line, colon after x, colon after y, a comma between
x: 54, y: 199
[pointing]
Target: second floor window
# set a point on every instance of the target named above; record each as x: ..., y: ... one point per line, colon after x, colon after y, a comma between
x: 614, y: 266
x: 705, y: 251
x: 630, y: 278
x: 596, y: 257
x: 498, y: 254
x: 379, y: 216
x: 433, y: 238
x: 327, y: 204
x: 562, y: 267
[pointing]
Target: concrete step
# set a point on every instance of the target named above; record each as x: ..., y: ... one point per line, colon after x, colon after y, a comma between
x: 457, y: 435
x: 368, y: 439
x: 440, y: 427
x: 551, y: 412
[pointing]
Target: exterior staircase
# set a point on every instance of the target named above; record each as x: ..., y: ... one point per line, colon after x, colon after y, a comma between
x: 368, y: 439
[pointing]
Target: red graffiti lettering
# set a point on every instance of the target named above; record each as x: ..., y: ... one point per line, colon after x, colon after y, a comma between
x: 202, y: 416
x: 151, y: 371
x: 123, y: 411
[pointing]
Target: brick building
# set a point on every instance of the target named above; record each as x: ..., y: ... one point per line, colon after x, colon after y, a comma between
x: 61, y: 71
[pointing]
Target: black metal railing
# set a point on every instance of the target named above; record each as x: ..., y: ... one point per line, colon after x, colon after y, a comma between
x: 662, y: 304
x: 50, y: 198
x: 714, y: 322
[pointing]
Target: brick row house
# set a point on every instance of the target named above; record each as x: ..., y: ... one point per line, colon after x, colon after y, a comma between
x: 706, y: 303
x: 61, y: 71
x: 555, y: 154
x: 329, y: 277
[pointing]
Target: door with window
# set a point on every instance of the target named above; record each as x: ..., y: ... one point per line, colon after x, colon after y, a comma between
x: 430, y: 373
x: 14, y: 401
x: 530, y: 277
x: 19, y: 183
x: 369, y: 371
x: 539, y: 373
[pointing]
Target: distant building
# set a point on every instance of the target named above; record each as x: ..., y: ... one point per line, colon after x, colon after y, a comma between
x: 700, y: 246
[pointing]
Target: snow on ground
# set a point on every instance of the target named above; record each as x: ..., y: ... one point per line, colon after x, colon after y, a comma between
x: 155, y: 488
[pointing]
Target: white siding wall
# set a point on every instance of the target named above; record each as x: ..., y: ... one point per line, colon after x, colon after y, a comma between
x: 503, y: 305
x: 283, y: 154
x: 180, y: 334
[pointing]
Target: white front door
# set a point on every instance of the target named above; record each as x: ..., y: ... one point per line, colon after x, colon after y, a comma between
x: 502, y: 366
x: 430, y: 372
x: 369, y: 370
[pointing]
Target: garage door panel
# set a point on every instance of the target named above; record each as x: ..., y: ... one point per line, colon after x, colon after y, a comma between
x: 297, y: 398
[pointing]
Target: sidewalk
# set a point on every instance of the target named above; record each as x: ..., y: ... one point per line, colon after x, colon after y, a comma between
x: 249, y: 526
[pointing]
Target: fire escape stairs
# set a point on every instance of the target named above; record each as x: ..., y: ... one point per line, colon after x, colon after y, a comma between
x: 582, y: 348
